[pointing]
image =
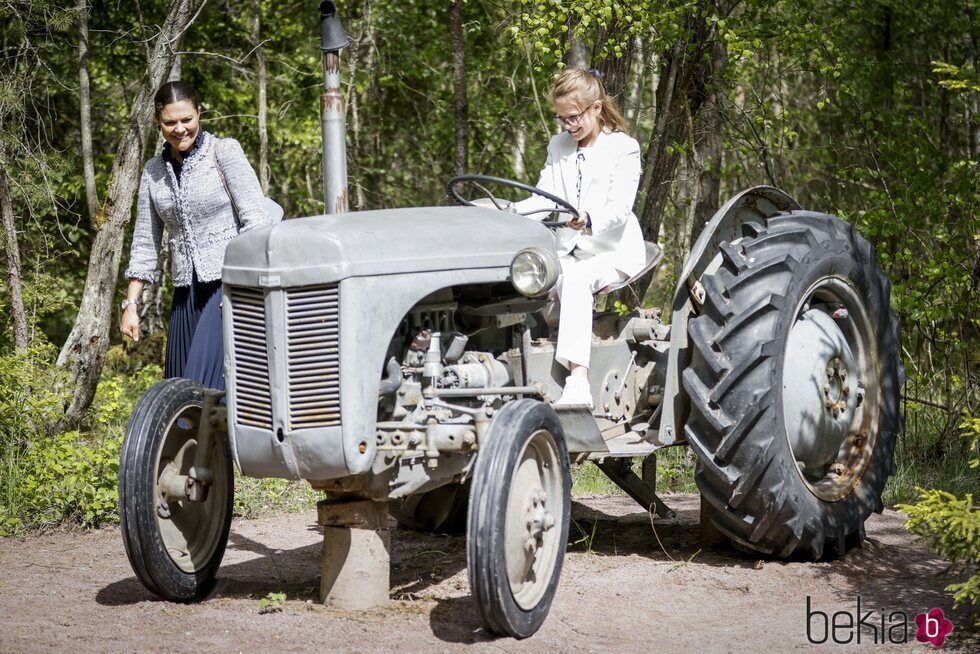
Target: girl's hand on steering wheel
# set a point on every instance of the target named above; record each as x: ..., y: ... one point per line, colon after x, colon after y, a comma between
x: 580, y: 222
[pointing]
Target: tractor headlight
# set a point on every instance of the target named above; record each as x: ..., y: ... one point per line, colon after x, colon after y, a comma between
x: 534, y: 271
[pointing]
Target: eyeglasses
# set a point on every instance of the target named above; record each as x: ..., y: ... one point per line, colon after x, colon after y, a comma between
x: 571, y: 120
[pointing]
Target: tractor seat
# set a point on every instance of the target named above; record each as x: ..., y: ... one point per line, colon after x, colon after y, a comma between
x: 653, y: 256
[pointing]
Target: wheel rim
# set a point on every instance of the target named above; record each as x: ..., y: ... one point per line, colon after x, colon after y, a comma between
x: 534, y: 514
x: 829, y: 388
x: 190, y: 531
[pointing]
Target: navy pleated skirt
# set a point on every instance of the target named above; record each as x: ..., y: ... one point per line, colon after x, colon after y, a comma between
x: 195, y: 349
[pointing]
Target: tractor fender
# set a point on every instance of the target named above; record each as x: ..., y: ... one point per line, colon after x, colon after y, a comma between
x: 753, y: 205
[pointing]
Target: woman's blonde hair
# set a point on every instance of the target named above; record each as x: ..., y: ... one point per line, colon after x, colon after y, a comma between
x: 585, y: 87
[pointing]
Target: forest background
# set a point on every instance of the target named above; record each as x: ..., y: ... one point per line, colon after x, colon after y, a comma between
x: 867, y: 109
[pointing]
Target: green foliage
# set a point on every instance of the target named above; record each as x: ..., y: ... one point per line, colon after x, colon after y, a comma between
x: 544, y: 24
x: 272, y: 603
x: 675, y: 474
x: 48, y: 479
x: 70, y: 478
x: 952, y: 527
x: 588, y: 480
x: 957, y: 78
x: 28, y: 402
x: 256, y: 497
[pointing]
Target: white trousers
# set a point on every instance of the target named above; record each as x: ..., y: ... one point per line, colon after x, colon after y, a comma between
x: 579, y: 280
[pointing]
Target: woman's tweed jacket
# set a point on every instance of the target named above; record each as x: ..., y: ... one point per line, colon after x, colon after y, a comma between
x: 197, y: 213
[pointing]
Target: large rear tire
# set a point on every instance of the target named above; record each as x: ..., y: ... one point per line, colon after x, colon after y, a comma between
x: 517, y: 527
x: 794, y: 386
x: 174, y: 546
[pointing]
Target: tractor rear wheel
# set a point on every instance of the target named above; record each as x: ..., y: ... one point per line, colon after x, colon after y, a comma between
x: 794, y: 386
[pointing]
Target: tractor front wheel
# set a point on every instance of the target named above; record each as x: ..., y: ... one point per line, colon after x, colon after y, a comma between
x: 517, y: 527
x: 174, y: 545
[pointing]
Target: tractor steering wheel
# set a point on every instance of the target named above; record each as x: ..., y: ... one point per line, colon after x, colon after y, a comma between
x: 479, y: 180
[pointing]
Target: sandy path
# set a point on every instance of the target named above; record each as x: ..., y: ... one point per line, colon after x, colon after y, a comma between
x: 620, y: 592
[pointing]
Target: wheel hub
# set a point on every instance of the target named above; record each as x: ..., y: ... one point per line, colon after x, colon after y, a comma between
x: 828, y: 361
x: 189, y: 511
x: 539, y: 521
x: 836, y: 391
x: 533, y: 513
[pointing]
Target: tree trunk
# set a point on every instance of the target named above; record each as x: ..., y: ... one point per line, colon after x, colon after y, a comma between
x: 84, y: 351
x: 633, y: 100
x: 360, y: 56
x: 263, y: 103
x: 660, y: 159
x: 615, y: 70
x: 577, y: 55
x: 460, y: 104
x: 12, y: 251
x: 85, y: 105
x: 517, y: 151
x: 686, y: 74
x: 151, y: 315
x: 710, y: 144
x: 695, y: 170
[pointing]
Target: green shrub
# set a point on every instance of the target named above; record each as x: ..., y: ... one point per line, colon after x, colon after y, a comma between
x: 28, y: 400
x: 71, y: 478
x: 952, y: 527
x: 49, y: 479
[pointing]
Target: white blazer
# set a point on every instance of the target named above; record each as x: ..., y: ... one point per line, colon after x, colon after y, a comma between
x: 610, y: 175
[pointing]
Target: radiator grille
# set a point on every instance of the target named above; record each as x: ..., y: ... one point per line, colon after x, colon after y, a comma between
x: 253, y: 397
x: 313, y: 357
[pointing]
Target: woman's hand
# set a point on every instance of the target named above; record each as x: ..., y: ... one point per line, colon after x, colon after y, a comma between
x: 129, y: 322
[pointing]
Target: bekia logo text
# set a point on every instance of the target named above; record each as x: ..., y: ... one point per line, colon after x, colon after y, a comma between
x: 845, y: 627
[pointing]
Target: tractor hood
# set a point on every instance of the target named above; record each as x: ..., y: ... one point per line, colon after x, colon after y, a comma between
x: 323, y: 249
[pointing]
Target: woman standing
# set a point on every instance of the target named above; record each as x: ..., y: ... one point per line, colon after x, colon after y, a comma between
x: 205, y: 192
x: 594, y: 166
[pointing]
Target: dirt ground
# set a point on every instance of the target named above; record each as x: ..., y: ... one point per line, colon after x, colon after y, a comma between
x: 621, y: 591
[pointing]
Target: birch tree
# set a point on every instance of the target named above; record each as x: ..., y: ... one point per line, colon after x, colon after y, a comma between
x: 85, y: 111
x: 460, y: 104
x: 83, y: 354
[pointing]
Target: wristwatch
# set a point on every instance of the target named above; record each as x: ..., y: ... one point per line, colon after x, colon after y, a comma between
x: 125, y: 304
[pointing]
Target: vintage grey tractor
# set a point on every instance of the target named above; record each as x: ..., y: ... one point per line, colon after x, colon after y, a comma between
x: 401, y: 360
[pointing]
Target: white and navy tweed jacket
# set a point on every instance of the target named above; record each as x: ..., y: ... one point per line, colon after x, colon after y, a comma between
x: 197, y: 213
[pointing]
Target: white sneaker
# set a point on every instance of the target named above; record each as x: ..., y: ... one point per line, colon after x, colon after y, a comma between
x: 576, y: 392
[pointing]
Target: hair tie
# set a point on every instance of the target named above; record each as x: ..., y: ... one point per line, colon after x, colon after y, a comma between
x: 596, y: 73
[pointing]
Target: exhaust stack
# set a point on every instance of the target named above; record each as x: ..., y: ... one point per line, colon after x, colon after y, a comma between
x: 333, y: 39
